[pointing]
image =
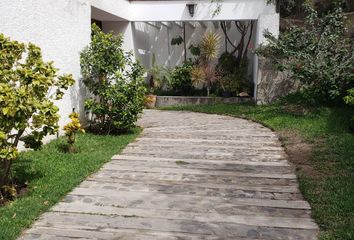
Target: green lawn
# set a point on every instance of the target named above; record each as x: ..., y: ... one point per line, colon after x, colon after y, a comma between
x: 51, y: 174
x: 326, y: 174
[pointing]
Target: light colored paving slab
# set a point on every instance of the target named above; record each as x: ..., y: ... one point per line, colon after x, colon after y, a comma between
x: 188, y: 176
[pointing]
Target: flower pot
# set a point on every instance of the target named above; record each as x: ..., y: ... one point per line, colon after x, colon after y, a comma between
x: 150, y: 101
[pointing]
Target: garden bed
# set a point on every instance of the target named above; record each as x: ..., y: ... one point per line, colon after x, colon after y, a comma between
x: 164, y: 101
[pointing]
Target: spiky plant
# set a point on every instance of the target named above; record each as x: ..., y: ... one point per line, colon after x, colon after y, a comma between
x: 198, y: 76
x: 209, y: 46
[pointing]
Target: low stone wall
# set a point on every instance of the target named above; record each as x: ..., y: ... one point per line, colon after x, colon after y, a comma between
x: 273, y: 84
x: 163, y: 101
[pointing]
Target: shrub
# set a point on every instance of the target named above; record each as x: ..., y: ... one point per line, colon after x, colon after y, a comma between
x: 181, y: 81
x: 71, y: 129
x: 349, y: 99
x: 28, y: 88
x: 233, y: 75
x: 205, y: 73
x: 116, y: 82
x: 316, y: 54
x: 159, y: 77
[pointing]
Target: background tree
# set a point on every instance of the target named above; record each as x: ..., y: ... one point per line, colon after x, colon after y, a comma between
x: 116, y: 82
x: 28, y: 88
x: 317, y: 54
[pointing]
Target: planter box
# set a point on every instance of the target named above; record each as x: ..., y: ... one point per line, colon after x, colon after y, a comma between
x: 163, y: 101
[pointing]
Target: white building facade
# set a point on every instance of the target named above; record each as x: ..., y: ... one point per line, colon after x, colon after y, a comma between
x: 62, y: 28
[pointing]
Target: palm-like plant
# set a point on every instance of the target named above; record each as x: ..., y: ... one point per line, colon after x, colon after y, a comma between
x: 209, y: 46
x: 198, y: 76
x: 209, y: 51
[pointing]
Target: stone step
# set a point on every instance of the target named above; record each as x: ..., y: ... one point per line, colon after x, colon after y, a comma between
x: 102, y: 223
x: 277, y: 193
x: 207, y: 155
x: 55, y: 233
x: 216, y: 130
x: 190, y: 145
x: 208, y: 142
x: 251, y: 220
x: 165, y: 201
x: 240, y: 138
x: 113, y: 175
x: 196, y: 188
x: 280, y: 163
x: 186, y: 170
x: 204, y: 166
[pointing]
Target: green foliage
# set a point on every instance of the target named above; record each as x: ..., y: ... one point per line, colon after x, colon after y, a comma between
x: 349, y: 99
x: 51, y: 174
x: 160, y: 76
x: 324, y: 6
x: 178, y: 40
x: 204, y: 73
x: 72, y: 129
x: 116, y: 82
x: 209, y: 46
x: 233, y: 75
x: 316, y: 54
x: 181, y: 81
x: 288, y: 8
x: 28, y: 88
x: 195, y: 50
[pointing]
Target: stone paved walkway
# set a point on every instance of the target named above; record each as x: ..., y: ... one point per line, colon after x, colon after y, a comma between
x: 188, y: 176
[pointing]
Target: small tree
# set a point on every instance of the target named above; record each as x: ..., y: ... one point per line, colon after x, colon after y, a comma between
x: 205, y: 73
x: 71, y: 130
x: 28, y: 88
x: 116, y: 82
x: 317, y: 54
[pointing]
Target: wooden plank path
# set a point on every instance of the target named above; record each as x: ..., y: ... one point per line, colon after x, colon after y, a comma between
x: 188, y: 176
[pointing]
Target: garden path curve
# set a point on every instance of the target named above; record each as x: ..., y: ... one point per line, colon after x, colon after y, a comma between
x: 188, y: 176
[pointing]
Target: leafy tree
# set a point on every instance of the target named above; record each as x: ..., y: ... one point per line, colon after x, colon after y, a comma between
x: 317, y: 54
x: 115, y: 81
x: 28, y: 88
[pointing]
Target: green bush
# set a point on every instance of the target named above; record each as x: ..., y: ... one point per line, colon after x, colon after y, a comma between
x: 233, y: 75
x: 181, y: 81
x: 116, y: 82
x: 349, y: 99
x: 27, y: 110
x: 316, y: 54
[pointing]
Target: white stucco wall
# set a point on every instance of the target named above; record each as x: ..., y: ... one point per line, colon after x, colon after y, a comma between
x: 150, y: 40
x: 230, y: 10
x: 269, y: 23
x: 124, y: 28
x: 119, y: 8
x: 60, y: 28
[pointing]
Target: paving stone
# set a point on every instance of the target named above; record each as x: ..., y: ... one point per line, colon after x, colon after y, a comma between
x: 189, y: 176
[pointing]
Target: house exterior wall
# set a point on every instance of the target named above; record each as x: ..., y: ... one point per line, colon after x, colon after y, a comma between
x: 150, y: 40
x: 230, y: 10
x: 60, y: 28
